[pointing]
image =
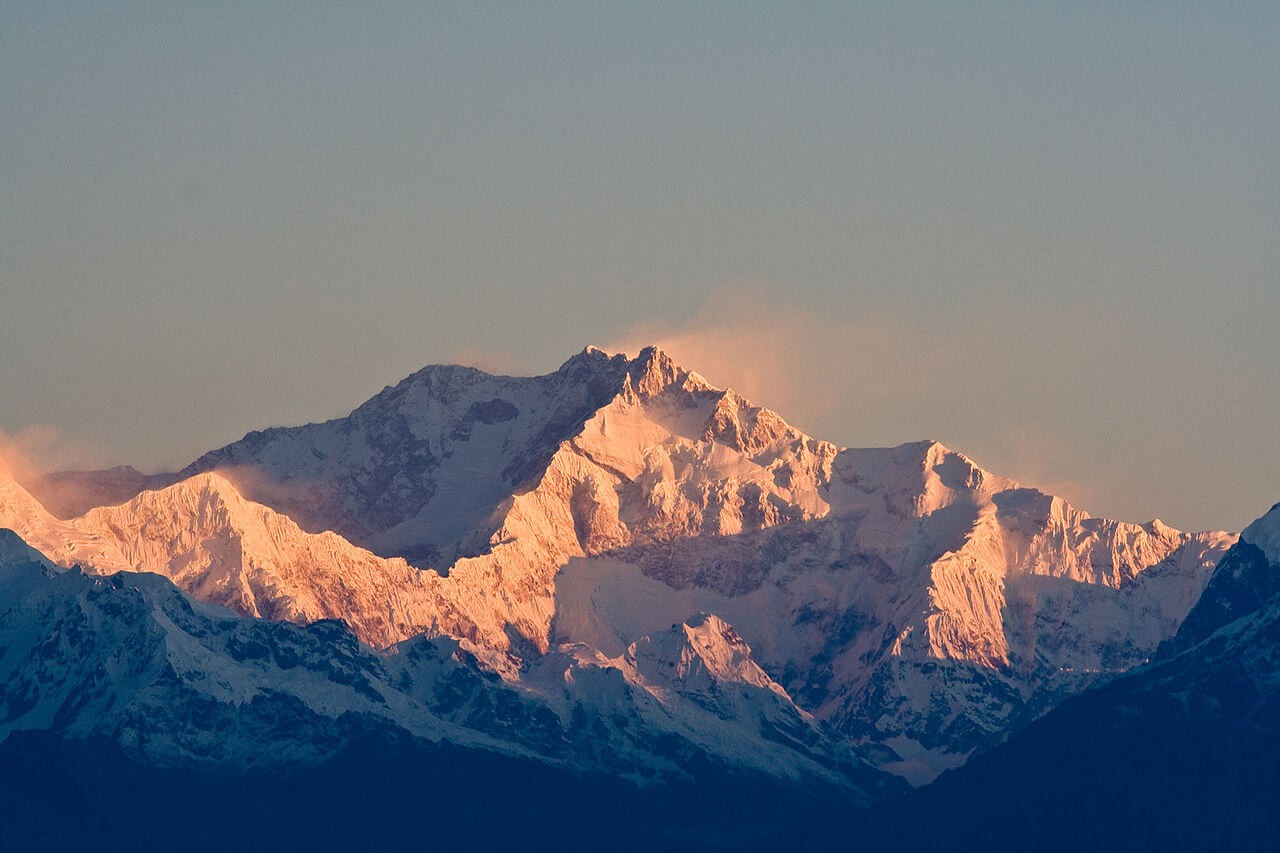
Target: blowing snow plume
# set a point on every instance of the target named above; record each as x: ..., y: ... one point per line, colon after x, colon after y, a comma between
x: 878, y: 378
x: 779, y: 355
x: 833, y: 375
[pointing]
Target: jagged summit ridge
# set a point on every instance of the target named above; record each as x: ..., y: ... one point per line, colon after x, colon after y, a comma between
x: 421, y: 469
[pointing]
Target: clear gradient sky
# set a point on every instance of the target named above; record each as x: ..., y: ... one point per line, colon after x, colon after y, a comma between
x: 1046, y: 234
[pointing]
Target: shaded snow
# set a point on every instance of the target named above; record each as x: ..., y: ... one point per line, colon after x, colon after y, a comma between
x: 1265, y: 534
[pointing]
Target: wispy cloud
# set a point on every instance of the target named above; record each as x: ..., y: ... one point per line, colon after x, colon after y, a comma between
x: 492, y: 361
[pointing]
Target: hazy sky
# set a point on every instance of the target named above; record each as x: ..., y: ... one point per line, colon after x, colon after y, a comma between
x: 1047, y: 235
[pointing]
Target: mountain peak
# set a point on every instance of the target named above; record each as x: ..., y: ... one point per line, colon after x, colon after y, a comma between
x: 654, y: 371
x: 207, y: 484
x: 701, y: 647
x: 1265, y: 534
x: 591, y: 360
x: 208, y: 502
x: 650, y: 373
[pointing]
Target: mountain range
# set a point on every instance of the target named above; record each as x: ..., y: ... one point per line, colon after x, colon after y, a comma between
x: 617, y: 571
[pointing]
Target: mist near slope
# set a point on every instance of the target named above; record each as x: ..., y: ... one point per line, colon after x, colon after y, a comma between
x: 40, y: 448
x: 67, y: 477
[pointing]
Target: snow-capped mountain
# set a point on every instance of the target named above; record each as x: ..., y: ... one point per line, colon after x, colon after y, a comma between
x: 929, y: 609
x: 129, y: 656
x: 902, y: 598
x: 420, y: 468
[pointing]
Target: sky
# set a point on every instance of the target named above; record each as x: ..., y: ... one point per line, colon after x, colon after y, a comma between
x: 1044, y: 234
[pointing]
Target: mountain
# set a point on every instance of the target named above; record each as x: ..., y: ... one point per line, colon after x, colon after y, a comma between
x: 419, y: 470
x: 229, y: 551
x: 1183, y: 754
x: 903, y: 600
x: 132, y: 677
x: 927, y: 609
x: 130, y: 657
x: 226, y: 550
x: 1245, y: 586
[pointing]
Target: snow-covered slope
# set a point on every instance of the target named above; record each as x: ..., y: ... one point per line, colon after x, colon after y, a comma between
x: 697, y: 680
x: 181, y: 682
x: 418, y: 470
x: 130, y: 657
x: 226, y: 550
x: 1264, y: 534
x: 1245, y: 583
x: 931, y: 608
x: 64, y: 543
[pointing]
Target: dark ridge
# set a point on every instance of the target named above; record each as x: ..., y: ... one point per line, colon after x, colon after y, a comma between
x: 1241, y: 585
x: 384, y: 792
